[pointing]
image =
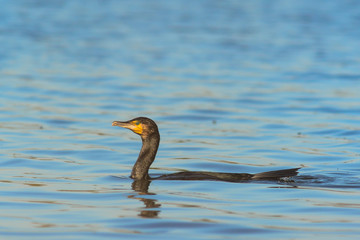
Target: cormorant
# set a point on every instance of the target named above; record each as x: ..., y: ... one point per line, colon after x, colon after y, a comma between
x: 149, y: 133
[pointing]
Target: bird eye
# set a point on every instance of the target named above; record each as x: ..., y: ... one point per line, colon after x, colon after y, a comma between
x: 137, y: 123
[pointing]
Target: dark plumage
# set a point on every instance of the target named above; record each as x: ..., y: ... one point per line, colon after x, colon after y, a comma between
x: 150, y: 137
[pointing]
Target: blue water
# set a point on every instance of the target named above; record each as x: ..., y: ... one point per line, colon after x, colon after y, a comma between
x: 235, y: 86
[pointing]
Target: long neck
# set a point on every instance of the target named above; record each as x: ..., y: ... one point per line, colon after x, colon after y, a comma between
x: 146, y: 157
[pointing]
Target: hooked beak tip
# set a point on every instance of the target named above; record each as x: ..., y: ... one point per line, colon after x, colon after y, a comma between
x: 116, y: 123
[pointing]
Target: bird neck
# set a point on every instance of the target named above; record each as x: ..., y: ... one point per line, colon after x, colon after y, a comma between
x: 146, y: 157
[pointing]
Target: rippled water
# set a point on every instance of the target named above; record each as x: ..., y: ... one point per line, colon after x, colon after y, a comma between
x: 235, y: 86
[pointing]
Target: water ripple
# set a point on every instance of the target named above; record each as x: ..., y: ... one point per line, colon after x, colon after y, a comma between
x: 233, y: 85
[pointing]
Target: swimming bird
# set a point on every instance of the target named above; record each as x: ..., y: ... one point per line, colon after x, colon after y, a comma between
x: 149, y: 133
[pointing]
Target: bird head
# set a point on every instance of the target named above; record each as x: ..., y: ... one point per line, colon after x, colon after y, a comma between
x: 141, y: 125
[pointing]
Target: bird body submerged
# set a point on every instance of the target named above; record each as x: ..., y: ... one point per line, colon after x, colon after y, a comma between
x: 230, y: 177
x: 148, y: 130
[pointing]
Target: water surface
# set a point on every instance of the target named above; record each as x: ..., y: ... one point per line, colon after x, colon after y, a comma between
x: 234, y: 86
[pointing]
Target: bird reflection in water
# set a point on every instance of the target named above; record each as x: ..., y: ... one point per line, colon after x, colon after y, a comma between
x: 142, y: 188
